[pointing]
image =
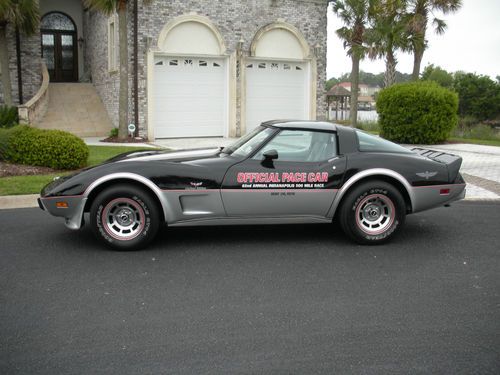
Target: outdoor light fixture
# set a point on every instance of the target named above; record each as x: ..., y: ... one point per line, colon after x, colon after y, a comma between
x: 240, y: 44
x: 148, y: 40
x: 317, y: 49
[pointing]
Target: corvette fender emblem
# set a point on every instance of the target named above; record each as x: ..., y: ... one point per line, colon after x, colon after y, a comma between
x: 426, y: 174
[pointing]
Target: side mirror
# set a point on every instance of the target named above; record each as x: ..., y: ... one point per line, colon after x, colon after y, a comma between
x: 270, y: 155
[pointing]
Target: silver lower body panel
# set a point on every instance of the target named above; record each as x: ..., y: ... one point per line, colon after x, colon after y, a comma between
x: 427, y: 197
x: 253, y: 221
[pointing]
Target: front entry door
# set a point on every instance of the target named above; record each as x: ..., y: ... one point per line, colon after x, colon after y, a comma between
x: 60, y: 55
x: 302, y: 180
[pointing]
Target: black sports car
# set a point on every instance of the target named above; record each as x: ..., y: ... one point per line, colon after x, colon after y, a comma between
x: 281, y: 172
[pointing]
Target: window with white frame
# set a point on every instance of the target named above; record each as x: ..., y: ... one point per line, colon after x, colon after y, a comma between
x: 113, y: 51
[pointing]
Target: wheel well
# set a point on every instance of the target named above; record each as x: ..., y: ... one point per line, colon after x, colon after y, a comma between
x: 390, y: 180
x: 98, y: 189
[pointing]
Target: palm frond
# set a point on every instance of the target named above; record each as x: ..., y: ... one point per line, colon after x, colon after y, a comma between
x: 29, y: 19
x: 7, y: 11
x: 105, y: 6
x: 24, y: 14
x: 446, y: 6
x: 439, y: 25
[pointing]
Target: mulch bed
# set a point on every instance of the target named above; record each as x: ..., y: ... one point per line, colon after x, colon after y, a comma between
x: 8, y: 170
x: 124, y: 140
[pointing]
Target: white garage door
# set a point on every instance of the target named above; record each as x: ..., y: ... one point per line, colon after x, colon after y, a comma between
x: 189, y: 97
x: 275, y: 90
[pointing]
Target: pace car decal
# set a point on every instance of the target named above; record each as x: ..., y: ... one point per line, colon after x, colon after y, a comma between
x: 289, y: 180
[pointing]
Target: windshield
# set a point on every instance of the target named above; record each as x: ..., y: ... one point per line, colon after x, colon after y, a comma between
x: 371, y: 143
x: 249, y: 143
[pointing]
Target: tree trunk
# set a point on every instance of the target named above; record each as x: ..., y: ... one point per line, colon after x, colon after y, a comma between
x: 418, y: 54
x: 4, y: 67
x: 422, y: 14
x: 390, y: 70
x: 354, y: 90
x: 123, y: 98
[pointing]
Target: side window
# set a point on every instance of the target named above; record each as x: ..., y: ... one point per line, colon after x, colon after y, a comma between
x: 370, y: 143
x: 113, y: 52
x: 301, y: 146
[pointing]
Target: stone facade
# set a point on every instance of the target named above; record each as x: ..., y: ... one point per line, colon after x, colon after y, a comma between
x: 107, y: 83
x: 31, y: 68
x: 235, y: 20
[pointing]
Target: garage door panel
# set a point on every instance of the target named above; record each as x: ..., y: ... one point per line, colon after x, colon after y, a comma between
x: 189, y: 98
x: 275, y: 90
x: 200, y: 117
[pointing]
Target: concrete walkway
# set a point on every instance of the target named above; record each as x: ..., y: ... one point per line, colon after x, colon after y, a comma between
x: 480, y: 166
x: 76, y: 108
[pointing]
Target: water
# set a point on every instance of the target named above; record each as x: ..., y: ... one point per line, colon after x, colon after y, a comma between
x: 362, y: 115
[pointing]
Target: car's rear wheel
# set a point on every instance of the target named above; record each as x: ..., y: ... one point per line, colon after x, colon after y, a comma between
x: 125, y: 217
x: 372, y: 212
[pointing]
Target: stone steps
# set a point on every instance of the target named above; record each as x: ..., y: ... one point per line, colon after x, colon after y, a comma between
x: 76, y: 108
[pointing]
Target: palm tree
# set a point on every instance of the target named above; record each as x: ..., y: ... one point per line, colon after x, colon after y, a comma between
x: 23, y: 15
x: 354, y: 14
x: 108, y: 7
x: 421, y: 11
x: 388, y: 34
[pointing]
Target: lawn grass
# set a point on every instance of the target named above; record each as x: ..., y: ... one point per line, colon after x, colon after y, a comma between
x: 486, y: 142
x: 98, y: 154
x: 19, y: 185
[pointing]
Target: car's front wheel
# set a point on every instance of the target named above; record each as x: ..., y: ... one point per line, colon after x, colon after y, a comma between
x: 125, y: 217
x: 372, y: 212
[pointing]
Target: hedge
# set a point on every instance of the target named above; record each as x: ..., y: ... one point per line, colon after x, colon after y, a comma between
x: 417, y: 112
x: 48, y: 148
x: 8, y: 116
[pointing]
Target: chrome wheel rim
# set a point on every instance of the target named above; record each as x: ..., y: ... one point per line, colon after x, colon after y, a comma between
x: 375, y: 214
x: 123, y: 219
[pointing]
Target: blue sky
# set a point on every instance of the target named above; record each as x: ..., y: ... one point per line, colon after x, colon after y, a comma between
x: 471, y: 43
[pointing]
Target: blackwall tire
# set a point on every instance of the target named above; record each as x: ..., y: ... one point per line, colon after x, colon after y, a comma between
x: 372, y: 213
x: 125, y: 217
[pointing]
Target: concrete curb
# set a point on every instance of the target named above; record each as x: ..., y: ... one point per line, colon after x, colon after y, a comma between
x: 18, y: 201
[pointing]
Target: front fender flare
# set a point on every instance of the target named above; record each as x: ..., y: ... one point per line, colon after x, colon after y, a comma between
x: 137, y: 178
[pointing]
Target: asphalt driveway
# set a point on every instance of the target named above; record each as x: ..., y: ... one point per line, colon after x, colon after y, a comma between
x: 273, y: 300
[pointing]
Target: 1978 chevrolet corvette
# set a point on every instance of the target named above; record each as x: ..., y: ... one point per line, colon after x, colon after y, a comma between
x: 281, y: 172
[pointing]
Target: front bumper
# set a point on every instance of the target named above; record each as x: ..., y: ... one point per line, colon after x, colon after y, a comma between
x: 70, y: 208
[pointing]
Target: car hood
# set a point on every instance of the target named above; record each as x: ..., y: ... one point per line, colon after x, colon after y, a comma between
x: 173, y: 156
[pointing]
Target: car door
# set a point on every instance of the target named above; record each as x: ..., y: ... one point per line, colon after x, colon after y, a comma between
x: 302, y: 179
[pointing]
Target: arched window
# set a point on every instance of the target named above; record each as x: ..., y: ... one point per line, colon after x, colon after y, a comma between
x: 57, y: 21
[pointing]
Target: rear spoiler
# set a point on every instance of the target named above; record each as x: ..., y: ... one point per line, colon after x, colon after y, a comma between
x: 453, y: 162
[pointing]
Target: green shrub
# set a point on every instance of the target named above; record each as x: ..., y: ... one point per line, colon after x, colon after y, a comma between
x: 478, y: 131
x: 369, y: 126
x: 479, y: 96
x: 49, y: 148
x: 113, y: 132
x: 417, y: 112
x: 481, y: 131
x: 5, y: 136
x: 8, y: 116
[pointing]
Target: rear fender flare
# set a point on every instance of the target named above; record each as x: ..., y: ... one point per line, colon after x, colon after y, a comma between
x: 374, y: 172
